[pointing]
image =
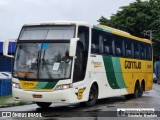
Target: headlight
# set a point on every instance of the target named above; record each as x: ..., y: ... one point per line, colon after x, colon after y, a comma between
x: 16, y: 85
x: 64, y: 86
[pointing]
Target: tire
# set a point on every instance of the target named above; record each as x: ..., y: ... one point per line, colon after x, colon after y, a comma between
x: 141, y: 90
x: 93, y: 96
x: 43, y: 104
x: 137, y: 91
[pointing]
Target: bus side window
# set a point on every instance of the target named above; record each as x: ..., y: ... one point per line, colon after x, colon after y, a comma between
x: 118, y: 51
x: 96, y: 41
x: 149, y: 53
x: 118, y: 46
x: 128, y: 53
x: 101, y: 47
x: 142, y: 51
x: 108, y: 44
x: 94, y: 48
x: 128, y: 49
x: 136, y: 50
x: 106, y: 50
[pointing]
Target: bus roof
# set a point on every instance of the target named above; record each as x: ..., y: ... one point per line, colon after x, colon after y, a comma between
x: 121, y: 33
x: 100, y: 27
x: 59, y: 23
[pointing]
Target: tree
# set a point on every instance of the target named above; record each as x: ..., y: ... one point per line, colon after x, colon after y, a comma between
x: 137, y: 18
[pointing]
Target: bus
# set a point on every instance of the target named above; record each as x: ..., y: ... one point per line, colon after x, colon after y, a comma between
x: 76, y: 62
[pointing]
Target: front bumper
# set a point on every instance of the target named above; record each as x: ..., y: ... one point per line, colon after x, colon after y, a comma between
x: 64, y: 96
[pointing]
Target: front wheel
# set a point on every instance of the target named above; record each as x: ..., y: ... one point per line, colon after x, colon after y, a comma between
x: 93, y: 96
x: 43, y: 104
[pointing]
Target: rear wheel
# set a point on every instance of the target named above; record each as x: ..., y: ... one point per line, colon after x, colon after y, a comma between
x: 43, y: 104
x: 137, y: 92
x: 93, y: 96
x: 142, y: 88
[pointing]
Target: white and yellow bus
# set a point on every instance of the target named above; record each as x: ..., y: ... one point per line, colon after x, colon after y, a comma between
x: 75, y: 62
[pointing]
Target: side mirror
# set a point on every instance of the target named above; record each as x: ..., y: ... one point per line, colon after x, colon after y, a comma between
x: 73, y: 47
x: 5, y: 48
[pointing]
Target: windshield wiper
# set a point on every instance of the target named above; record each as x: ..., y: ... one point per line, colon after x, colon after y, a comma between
x: 47, y: 69
x: 45, y: 65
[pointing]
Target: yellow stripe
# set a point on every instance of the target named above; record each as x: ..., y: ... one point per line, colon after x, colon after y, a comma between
x: 40, y: 90
x: 125, y: 34
x: 97, y: 66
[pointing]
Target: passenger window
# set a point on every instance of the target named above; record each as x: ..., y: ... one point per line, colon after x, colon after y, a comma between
x: 118, y: 46
x: 94, y: 48
x: 149, y: 53
x: 128, y: 49
x: 136, y: 50
x: 101, y: 48
x: 95, y: 41
x: 108, y: 44
x: 106, y: 50
x: 142, y: 51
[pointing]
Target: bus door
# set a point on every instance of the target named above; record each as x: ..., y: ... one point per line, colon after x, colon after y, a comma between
x: 82, y: 54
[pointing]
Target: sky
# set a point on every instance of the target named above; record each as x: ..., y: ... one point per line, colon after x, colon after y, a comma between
x: 15, y: 13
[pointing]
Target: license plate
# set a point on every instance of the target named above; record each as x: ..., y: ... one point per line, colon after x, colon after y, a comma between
x: 37, y: 96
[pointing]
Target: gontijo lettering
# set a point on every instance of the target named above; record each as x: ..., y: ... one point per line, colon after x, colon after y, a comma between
x: 132, y: 65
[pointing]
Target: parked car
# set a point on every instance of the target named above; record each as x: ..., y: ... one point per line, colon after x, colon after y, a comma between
x: 154, y: 78
x: 5, y: 75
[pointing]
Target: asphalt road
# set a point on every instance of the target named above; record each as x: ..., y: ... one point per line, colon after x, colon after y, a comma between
x: 104, y: 109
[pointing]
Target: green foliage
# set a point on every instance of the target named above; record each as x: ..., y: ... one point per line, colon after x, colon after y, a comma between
x: 3, y: 102
x: 136, y: 18
x: 15, y: 104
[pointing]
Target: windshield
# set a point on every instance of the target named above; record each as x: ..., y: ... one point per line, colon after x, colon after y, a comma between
x: 42, y: 61
x: 46, y: 33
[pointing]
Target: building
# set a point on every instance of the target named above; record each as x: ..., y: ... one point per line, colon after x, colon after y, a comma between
x: 6, y: 63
